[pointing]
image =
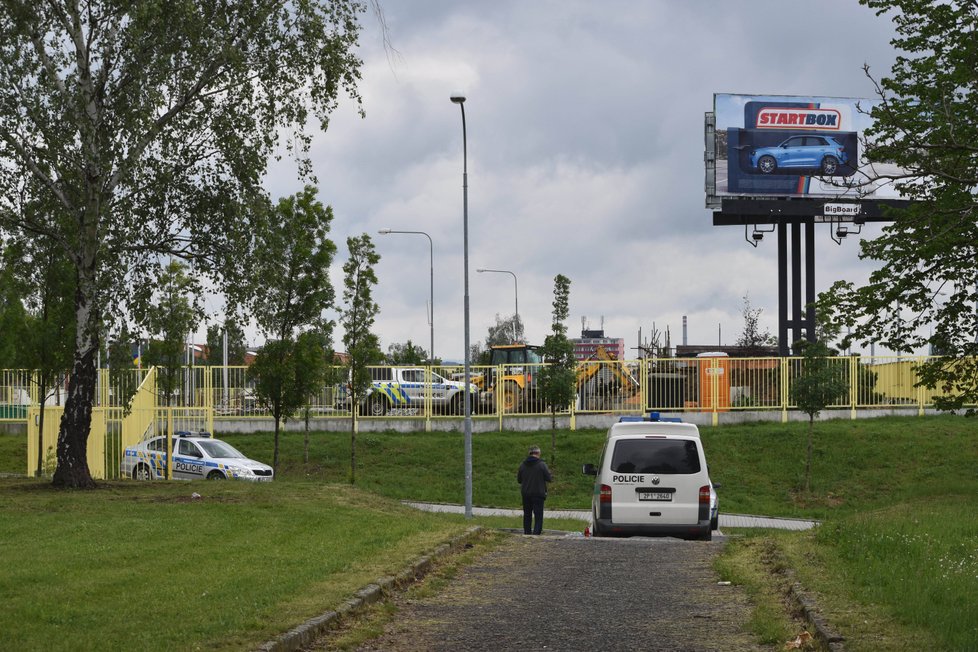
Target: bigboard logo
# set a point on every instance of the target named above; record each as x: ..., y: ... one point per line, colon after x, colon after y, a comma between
x: 817, y: 119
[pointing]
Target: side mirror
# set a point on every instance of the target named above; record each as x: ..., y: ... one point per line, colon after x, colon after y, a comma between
x: 717, y: 485
x: 589, y: 469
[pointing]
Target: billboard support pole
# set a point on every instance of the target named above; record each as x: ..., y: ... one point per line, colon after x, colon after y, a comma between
x: 810, y: 278
x: 783, y: 349
x: 796, y: 323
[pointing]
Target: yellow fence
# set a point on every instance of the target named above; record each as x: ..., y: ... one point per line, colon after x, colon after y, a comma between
x: 130, y: 407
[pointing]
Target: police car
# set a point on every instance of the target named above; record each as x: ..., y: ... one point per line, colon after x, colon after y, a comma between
x: 407, y: 388
x: 653, y: 480
x: 197, y: 456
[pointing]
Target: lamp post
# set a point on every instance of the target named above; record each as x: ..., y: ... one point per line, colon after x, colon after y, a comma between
x: 431, y: 269
x: 458, y: 98
x: 516, y: 289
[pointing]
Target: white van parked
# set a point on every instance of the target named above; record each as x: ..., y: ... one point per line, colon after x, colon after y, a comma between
x: 653, y: 480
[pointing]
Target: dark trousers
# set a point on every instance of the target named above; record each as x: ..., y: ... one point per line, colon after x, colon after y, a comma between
x: 533, y: 511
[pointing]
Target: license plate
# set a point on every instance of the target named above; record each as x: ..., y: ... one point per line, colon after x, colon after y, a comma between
x: 654, y: 495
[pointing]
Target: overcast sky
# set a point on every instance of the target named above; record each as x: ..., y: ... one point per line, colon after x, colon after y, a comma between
x: 585, y: 158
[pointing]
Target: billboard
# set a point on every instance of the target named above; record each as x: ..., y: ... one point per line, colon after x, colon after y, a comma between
x: 789, y: 146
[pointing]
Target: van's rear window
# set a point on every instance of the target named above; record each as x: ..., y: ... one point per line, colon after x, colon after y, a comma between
x: 664, y: 456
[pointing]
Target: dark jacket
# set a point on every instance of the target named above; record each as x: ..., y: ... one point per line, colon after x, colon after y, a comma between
x: 533, y: 477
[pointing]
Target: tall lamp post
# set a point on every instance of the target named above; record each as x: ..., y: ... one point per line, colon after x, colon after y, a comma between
x: 431, y: 268
x: 458, y: 98
x: 516, y: 288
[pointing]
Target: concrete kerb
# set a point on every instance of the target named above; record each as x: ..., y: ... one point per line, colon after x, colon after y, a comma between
x: 310, y: 630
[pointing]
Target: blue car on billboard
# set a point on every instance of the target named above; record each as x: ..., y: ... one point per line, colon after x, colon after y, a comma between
x: 814, y: 152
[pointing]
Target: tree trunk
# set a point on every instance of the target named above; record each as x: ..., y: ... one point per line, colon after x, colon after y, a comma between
x: 353, y: 457
x: 76, y: 423
x: 808, y: 459
x: 305, y: 449
x: 275, y: 453
x: 353, y: 440
x: 40, y: 427
x: 553, y: 438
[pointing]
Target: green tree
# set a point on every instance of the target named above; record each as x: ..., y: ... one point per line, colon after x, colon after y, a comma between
x: 237, y: 348
x: 121, y: 367
x: 405, y: 354
x: 13, y: 314
x: 170, y: 320
x: 926, y: 122
x: 286, y: 372
x: 359, y: 313
x: 291, y: 291
x: 752, y: 338
x: 317, y: 341
x: 816, y: 385
x: 505, y: 331
x: 41, y: 319
x: 558, y: 379
x: 146, y: 129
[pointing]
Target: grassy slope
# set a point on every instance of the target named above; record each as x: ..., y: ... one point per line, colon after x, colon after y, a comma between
x: 914, y: 476
x: 129, y: 566
x: 857, y: 465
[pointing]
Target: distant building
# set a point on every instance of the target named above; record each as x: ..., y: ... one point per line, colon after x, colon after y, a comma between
x: 586, y: 346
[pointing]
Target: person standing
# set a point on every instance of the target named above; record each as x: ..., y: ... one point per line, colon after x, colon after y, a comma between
x: 533, y: 477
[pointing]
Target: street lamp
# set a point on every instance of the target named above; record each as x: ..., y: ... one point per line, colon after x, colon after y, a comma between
x: 516, y: 288
x: 431, y: 268
x: 458, y: 98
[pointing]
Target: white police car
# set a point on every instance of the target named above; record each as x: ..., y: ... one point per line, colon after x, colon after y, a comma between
x: 197, y: 456
x: 653, y: 480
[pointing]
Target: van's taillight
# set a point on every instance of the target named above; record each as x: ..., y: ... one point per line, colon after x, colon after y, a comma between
x: 705, y: 494
x: 606, y: 494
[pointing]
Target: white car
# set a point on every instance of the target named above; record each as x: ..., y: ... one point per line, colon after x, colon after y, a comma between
x: 197, y: 457
x: 653, y: 480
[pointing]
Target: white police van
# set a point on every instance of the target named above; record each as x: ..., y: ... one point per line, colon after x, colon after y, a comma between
x: 653, y: 480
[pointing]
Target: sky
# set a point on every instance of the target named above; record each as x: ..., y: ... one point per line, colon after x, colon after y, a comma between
x: 584, y: 129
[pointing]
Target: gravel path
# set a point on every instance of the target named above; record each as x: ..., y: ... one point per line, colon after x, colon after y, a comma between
x: 556, y: 593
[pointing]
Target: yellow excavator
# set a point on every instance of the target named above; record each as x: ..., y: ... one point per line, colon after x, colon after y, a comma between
x: 516, y: 385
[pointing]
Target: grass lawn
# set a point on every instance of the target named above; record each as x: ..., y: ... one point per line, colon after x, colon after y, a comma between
x: 131, y: 566
x: 894, y: 565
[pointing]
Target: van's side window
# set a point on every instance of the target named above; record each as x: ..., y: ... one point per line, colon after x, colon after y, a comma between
x: 665, y: 456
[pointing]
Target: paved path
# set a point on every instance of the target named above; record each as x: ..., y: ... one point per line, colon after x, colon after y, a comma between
x: 726, y: 520
x: 562, y: 593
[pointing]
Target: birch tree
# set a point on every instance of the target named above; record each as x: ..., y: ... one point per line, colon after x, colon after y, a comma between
x: 145, y: 128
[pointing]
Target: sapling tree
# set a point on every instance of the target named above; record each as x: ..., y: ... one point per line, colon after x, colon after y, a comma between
x: 290, y: 292
x: 558, y: 378
x: 358, y: 315
x: 817, y: 384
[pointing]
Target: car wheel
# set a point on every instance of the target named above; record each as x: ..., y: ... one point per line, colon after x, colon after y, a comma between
x: 512, y: 398
x: 715, y: 522
x: 377, y: 406
x: 215, y: 475
x: 142, y: 472
x: 829, y: 165
x: 767, y: 164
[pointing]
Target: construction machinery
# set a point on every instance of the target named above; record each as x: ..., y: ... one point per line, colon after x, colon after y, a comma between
x: 512, y: 377
x: 603, y: 382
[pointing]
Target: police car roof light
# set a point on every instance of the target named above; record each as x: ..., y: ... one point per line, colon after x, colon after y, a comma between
x: 655, y: 416
x: 192, y: 433
x: 631, y: 419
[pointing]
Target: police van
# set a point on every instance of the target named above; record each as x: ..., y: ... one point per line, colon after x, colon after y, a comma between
x: 653, y: 480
